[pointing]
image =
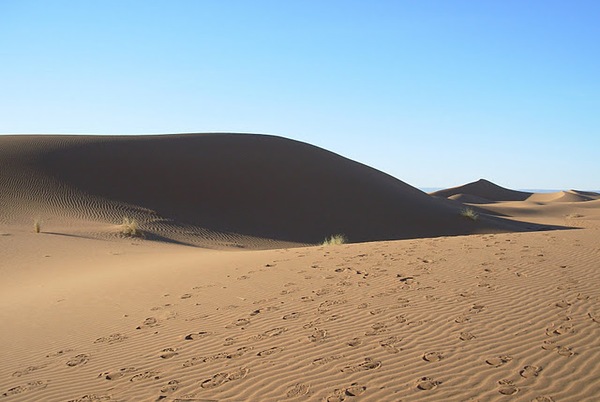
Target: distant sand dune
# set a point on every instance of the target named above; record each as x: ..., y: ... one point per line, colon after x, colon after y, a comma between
x: 484, y: 190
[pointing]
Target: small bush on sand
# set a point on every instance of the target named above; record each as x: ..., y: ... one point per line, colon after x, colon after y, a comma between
x: 469, y: 213
x: 130, y: 228
x: 37, y: 226
x: 335, y: 240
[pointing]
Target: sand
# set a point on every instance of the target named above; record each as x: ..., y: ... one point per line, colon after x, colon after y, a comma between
x: 511, y: 313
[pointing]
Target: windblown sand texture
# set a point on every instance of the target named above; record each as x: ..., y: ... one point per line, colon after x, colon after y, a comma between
x: 508, y: 312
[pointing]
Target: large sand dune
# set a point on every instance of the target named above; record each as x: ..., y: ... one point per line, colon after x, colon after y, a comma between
x: 220, y: 189
x: 88, y: 316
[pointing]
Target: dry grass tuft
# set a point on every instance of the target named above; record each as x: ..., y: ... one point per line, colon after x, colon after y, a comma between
x: 335, y: 240
x: 130, y: 228
x: 469, y: 213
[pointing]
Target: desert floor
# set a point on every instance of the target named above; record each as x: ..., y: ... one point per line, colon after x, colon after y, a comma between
x: 512, y: 316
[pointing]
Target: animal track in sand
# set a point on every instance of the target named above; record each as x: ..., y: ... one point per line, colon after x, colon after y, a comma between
x: 389, y: 344
x: 28, y: 370
x: 59, y: 353
x: 297, y: 389
x: 427, y: 383
x: 78, y: 360
x: 240, y: 322
x: 530, y: 371
x: 91, y: 398
x: 112, y: 338
x: 115, y: 375
x: 324, y: 360
x: 499, y: 360
x: 354, y: 342
x: 461, y: 319
x: 148, y: 322
x: 167, y: 353
x: 318, y: 335
x: 197, y: 335
x: 376, y: 329
x: 562, y: 304
x: 466, y: 336
x: 367, y: 364
x: 561, y: 329
x: 185, y: 296
x: 291, y: 316
x: 171, y: 386
x: 146, y: 375
x: 271, y: 351
x: 433, y: 357
x: 30, y: 386
x: 222, y: 378
x: 542, y: 398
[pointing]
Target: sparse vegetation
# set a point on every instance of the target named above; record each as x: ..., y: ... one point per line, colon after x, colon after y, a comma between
x: 469, y: 213
x: 37, y: 226
x: 335, y: 240
x: 130, y: 228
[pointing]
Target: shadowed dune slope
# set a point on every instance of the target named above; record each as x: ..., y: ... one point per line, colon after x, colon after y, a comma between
x: 483, y: 190
x: 254, y: 185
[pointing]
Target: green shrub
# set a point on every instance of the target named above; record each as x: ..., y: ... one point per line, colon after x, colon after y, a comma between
x: 335, y: 240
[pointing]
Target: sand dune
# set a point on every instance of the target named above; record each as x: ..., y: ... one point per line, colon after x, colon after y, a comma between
x: 220, y: 190
x: 485, y: 190
x: 88, y: 315
x: 564, y: 196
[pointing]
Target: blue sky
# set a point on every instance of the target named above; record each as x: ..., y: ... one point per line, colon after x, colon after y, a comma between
x: 435, y: 93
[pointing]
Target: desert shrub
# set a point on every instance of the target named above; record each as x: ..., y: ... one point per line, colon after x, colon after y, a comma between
x: 469, y: 213
x: 335, y: 240
x: 130, y: 228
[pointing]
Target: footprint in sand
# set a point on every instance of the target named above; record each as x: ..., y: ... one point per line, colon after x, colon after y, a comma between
x: 389, y: 344
x: 427, y: 383
x: 240, y: 322
x: 561, y: 329
x: 466, y: 336
x: 376, y: 329
x: 433, y: 357
x: 148, y: 323
x: 499, y: 360
x: 27, y: 370
x: 368, y: 364
x: 112, y: 338
x: 30, y: 386
x: 355, y: 389
x: 268, y: 352
x: 318, y: 335
x: 146, y: 375
x: 185, y: 296
x: 297, y: 389
x: 291, y: 316
x: 197, y: 335
x: 171, y: 386
x: 78, y: 360
x: 461, y: 319
x: 562, y: 304
x: 221, y: 378
x: 324, y: 360
x: 91, y: 398
x: 530, y: 371
x: 214, y: 381
x: 564, y: 351
x: 354, y: 342
x: 542, y: 398
x: 167, y: 353
x: 115, y: 375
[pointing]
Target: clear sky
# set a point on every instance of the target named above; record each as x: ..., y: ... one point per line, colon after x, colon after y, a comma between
x: 435, y: 93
